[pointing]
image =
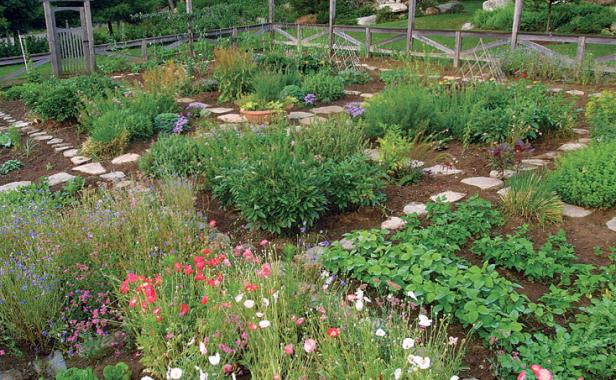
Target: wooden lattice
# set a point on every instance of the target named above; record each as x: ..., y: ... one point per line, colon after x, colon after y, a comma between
x: 482, y: 66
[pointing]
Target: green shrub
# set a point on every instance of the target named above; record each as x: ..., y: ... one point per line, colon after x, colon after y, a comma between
x: 233, y: 71
x: 352, y: 76
x: 325, y: 86
x: 174, y: 155
x: 587, y: 177
x: 531, y: 197
x: 108, y: 137
x: 151, y: 104
x: 268, y: 85
x: 10, y: 166
x: 601, y: 116
x: 165, y: 122
x: 77, y: 374
x: 293, y: 91
x: 336, y: 138
x: 354, y: 182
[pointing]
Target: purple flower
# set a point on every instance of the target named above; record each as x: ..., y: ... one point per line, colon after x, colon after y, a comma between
x: 180, y: 124
x: 354, y: 109
x: 196, y: 105
x: 310, y: 99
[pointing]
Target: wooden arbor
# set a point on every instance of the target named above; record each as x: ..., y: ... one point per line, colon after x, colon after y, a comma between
x: 71, y: 49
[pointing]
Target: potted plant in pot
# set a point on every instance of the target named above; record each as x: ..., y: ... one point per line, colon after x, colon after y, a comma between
x: 260, y: 111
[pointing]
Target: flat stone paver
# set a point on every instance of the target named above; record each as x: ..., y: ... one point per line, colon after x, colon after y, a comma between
x: 580, y: 131
x: 312, y: 120
x: 442, y: 170
x: 584, y: 140
x: 232, y: 118
x: 534, y: 162
x: 572, y: 211
x: 484, y: 183
x: 352, y: 92
x: 220, y: 110
x: 611, y: 224
x: 568, y: 147
x: 125, y: 158
x: 42, y: 133
x: 113, y: 176
x: 575, y: 92
x: 61, y: 148
x: 70, y: 153
x: 367, y: 95
x: 507, y: 173
x: 42, y: 138
x: 299, y: 115
x: 503, y: 192
x: 54, y: 141
x: 93, y: 168
x: 393, y: 223
x: 547, y: 156
x: 415, y: 208
x: 328, y: 110
x: 33, y: 131
x: 59, y: 178
x: 21, y: 124
x: 78, y: 160
x: 448, y: 196
x: 14, y: 185
x: 185, y: 100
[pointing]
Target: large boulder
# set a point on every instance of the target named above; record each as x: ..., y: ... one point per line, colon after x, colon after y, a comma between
x: 492, y: 5
x: 431, y: 11
x: 307, y: 19
x: 393, y: 7
x: 365, y: 21
x: 451, y: 7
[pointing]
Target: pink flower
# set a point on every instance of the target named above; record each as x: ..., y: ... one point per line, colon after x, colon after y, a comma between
x: 288, y: 349
x: 522, y: 375
x: 2, y: 352
x: 263, y: 243
x: 333, y: 332
x: 212, y: 223
x: 132, y: 303
x: 204, y: 300
x: 299, y: 321
x: 310, y: 345
x: 184, y: 309
x: 541, y: 373
x: 227, y: 368
x: 131, y: 277
x: 265, y: 271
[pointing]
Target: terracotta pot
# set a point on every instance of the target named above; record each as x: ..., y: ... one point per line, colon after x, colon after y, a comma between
x: 258, y: 117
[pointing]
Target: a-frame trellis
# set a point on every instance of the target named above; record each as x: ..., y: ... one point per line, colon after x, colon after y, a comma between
x: 71, y: 49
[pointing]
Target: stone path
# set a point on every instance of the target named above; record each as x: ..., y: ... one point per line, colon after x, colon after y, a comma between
x: 437, y: 170
x: 448, y: 196
x: 572, y: 211
x: 484, y: 183
x: 611, y: 224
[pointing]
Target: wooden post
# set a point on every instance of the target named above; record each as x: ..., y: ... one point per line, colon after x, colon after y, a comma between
x: 330, y: 29
x: 50, y: 22
x: 144, y: 50
x: 368, y: 41
x: 270, y: 19
x: 234, y: 36
x: 410, y: 26
x: 517, y: 15
x: 189, y: 12
x: 299, y: 37
x: 458, y: 48
x: 579, y: 55
x: 90, y: 33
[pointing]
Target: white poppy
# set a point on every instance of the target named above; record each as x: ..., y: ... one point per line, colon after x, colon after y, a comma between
x: 398, y: 373
x: 249, y: 304
x: 408, y: 343
x: 454, y: 377
x: 259, y: 314
x: 412, y: 295
x: 214, y: 360
x: 146, y: 378
x: 418, y: 361
x: 202, y: 375
x: 359, y: 305
x: 380, y: 332
x: 239, y: 297
x: 192, y: 341
x: 174, y: 373
x: 264, y: 324
x: 265, y: 302
x: 424, y: 321
x: 202, y: 348
x: 275, y: 295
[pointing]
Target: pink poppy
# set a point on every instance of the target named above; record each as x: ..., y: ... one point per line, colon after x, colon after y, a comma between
x: 310, y: 345
x: 288, y: 349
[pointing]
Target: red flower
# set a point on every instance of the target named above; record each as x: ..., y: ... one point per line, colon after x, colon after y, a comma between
x: 132, y: 303
x: 212, y: 223
x: 333, y: 332
x: 252, y: 326
x: 206, y: 252
x: 131, y: 277
x: 124, y: 287
x: 251, y: 287
x: 184, y: 309
x: 177, y: 267
x: 150, y: 293
x: 204, y: 300
x: 199, y: 277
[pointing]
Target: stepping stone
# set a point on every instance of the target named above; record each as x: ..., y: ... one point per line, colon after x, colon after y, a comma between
x: 232, y: 118
x: 59, y: 178
x: 556, y: 90
x: 220, y: 110
x: 572, y: 211
x: 113, y: 176
x: 21, y: 124
x: 61, y: 148
x: 327, y: 110
x: 547, y: 156
x: 367, y: 95
x: 575, y: 92
x: 393, y: 223
x: 442, y: 170
x: 415, y: 208
x: 70, y: 153
x: 60, y: 145
x: 611, y: 224
x: 580, y: 131
x: 78, y: 160
x: 185, y: 100
x: 571, y: 146
x: 42, y: 138
x: 38, y: 134
x: 451, y: 77
x: 311, y: 120
x: 33, y: 131
x: 448, y: 196
x: 584, y: 140
x: 93, y: 168
x: 14, y: 185
x: 299, y: 115
x: 534, y: 162
x: 54, y: 141
x: 122, y: 184
x: 484, y: 183
x: 29, y: 130
x: 595, y: 95
x: 503, y: 192
x: 125, y: 158
x: 352, y: 93
x: 507, y: 173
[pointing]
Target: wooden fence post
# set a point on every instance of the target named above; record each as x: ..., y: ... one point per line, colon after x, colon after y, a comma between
x: 299, y: 37
x: 50, y: 22
x: 330, y: 29
x: 410, y: 25
x: 368, y: 41
x: 144, y: 50
x: 517, y: 15
x: 579, y: 55
x: 189, y: 11
x: 271, y: 15
x: 458, y: 48
x: 90, y: 32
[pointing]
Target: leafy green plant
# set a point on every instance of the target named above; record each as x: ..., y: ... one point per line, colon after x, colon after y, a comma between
x: 324, y: 85
x: 15, y: 136
x: 601, y: 116
x: 353, y: 76
x: 77, y: 374
x: 107, y: 138
x: 587, y: 177
x: 531, y: 197
x: 293, y: 91
x: 120, y: 371
x: 174, y: 155
x: 10, y: 166
x: 354, y: 182
x: 5, y: 140
x: 165, y: 122
x: 268, y: 85
x: 336, y: 138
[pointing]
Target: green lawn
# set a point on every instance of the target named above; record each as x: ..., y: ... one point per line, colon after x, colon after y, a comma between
x: 452, y: 21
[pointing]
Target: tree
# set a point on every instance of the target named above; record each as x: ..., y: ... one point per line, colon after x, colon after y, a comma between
x: 20, y: 16
x: 109, y: 11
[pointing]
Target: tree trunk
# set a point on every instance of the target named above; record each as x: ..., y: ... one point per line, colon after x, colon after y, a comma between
x: 549, y: 17
x: 110, y: 27
x: 172, y: 6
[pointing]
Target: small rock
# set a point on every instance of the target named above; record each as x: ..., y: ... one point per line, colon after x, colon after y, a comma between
x: 220, y: 110
x: 56, y: 363
x: 580, y: 131
x: 442, y: 170
x: 484, y: 183
x: 584, y: 140
x: 556, y: 90
x: 12, y: 374
x: 113, y: 176
x: 571, y: 146
x: 54, y: 141
x: 534, y: 162
x: 507, y: 173
x: 70, y: 153
x: 372, y: 154
x: 393, y: 223
x: 575, y: 92
x: 366, y: 95
x: 42, y: 138
x: 416, y: 164
x: 612, y: 224
x: 14, y: 185
x: 367, y: 20
x: 312, y: 120
x: 328, y: 110
x: 448, y: 197
x: 467, y: 26
x: 352, y: 93
x: 185, y: 100
x: 125, y: 158
x: 572, y: 211
x: 503, y: 192
x: 415, y: 208
x: 59, y: 178
x: 93, y: 168
x: 232, y: 118
x: 78, y: 160
x: 299, y: 115
x: 393, y: 7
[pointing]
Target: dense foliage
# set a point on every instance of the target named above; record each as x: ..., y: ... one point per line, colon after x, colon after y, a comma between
x: 601, y: 116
